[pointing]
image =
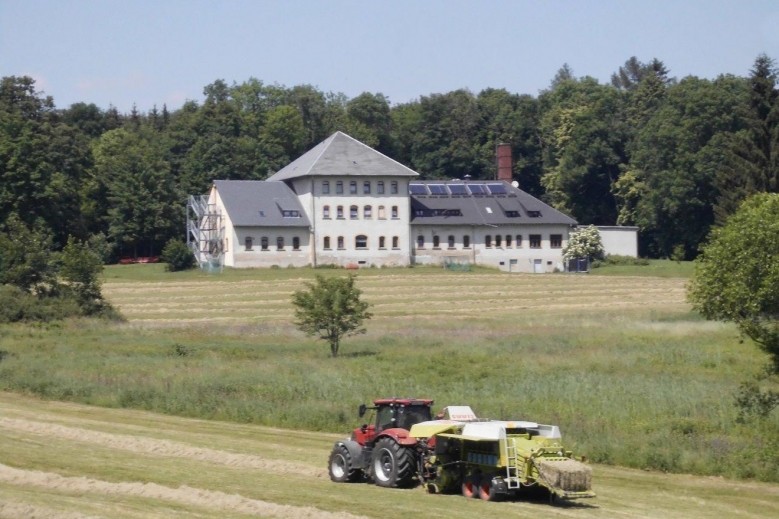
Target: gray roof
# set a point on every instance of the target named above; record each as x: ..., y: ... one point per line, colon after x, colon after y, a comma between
x: 340, y: 155
x: 491, y: 202
x: 256, y: 203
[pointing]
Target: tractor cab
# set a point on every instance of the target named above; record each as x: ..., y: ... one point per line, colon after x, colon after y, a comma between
x: 392, y: 413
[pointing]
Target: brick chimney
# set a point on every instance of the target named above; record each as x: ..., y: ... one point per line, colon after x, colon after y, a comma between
x: 505, y: 162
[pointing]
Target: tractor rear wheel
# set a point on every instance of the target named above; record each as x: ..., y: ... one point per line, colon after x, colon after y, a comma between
x: 392, y: 464
x: 340, y: 466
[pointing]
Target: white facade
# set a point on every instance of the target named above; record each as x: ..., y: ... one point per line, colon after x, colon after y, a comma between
x: 619, y: 240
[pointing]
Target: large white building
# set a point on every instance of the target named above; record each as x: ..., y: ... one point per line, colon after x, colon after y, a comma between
x: 345, y: 203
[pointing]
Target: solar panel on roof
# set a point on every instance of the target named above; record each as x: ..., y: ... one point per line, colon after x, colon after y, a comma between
x: 477, y: 189
x: 417, y: 189
x: 497, y: 189
x: 437, y: 189
x: 457, y: 189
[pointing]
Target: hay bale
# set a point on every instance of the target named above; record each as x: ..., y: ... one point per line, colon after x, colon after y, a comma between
x: 568, y: 475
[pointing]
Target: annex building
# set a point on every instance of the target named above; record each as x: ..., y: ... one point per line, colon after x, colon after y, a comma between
x: 346, y: 204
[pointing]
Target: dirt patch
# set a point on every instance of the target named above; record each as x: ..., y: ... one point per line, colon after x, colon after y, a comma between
x: 157, y: 447
x: 210, y: 499
x: 11, y: 510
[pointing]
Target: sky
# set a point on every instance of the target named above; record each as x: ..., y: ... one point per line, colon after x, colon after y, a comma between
x: 145, y: 53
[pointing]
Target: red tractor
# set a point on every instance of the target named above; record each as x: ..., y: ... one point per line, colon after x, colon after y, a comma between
x: 382, y: 451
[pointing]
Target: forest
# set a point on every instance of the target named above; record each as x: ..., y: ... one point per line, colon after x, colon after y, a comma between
x: 673, y: 157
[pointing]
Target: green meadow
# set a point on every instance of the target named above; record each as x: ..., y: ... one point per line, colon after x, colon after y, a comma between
x: 633, y: 377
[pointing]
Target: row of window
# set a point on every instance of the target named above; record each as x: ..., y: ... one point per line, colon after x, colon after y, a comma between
x: 367, y: 212
x: 534, y: 241
x: 367, y: 186
x: 265, y: 244
x: 360, y: 242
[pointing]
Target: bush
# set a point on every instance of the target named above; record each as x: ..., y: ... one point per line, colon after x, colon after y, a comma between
x: 177, y: 256
x: 17, y: 305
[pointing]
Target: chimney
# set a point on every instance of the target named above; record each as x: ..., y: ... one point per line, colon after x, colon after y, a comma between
x: 505, y: 163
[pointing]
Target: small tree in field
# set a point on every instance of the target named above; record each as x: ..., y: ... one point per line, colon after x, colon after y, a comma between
x: 330, y: 308
x: 737, y: 279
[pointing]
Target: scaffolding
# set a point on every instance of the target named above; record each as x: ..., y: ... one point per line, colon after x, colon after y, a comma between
x: 205, y: 233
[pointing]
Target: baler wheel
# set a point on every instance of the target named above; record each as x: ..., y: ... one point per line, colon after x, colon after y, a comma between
x: 486, y: 490
x: 340, y: 466
x: 392, y: 464
x: 470, y: 487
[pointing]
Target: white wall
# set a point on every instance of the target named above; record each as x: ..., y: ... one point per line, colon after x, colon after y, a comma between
x: 619, y: 240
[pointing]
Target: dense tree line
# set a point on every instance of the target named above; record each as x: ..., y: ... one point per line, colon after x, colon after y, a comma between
x: 673, y: 157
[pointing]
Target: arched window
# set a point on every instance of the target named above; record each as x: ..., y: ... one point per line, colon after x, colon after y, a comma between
x: 341, y: 242
x: 382, y: 242
x: 451, y: 241
x: 248, y: 243
x: 295, y: 243
x: 498, y: 240
x: 519, y: 241
x: 326, y: 212
x: 325, y: 187
x: 395, y: 242
x: 339, y: 212
x: 508, y: 240
x: 264, y: 243
x: 353, y: 212
x: 436, y: 241
x: 394, y: 211
x: 420, y: 242
x: 280, y: 243
x: 488, y: 241
x: 382, y: 214
x: 367, y: 212
x: 361, y: 241
x: 326, y: 244
x: 466, y: 241
x: 380, y: 187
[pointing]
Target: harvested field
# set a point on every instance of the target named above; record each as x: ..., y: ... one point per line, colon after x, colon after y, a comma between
x: 60, y: 460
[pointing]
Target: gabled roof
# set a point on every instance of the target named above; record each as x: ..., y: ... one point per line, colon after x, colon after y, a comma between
x: 252, y: 203
x: 478, y: 203
x: 340, y: 155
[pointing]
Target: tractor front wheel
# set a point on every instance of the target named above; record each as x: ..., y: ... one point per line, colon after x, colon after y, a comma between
x: 340, y: 466
x: 392, y: 464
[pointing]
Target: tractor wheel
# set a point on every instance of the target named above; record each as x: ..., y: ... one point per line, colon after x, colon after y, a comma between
x: 470, y: 487
x: 486, y: 490
x: 392, y: 465
x: 340, y: 466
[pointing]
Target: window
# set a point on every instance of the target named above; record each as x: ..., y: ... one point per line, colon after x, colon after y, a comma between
x: 451, y: 241
x: 353, y: 187
x: 353, y: 212
x: 248, y: 243
x: 382, y: 242
x: 380, y: 187
x: 339, y: 212
x: 366, y: 187
x: 488, y: 241
x: 556, y: 241
x: 498, y: 240
x: 535, y: 241
x: 341, y: 242
x: 395, y: 242
x: 295, y: 243
x: 326, y: 212
x: 382, y: 214
x: 420, y: 242
x: 339, y: 188
x: 519, y: 241
x: 394, y: 187
x: 280, y: 243
x: 264, y: 243
x: 508, y: 241
x: 395, y: 211
x: 290, y: 213
x: 466, y: 241
x: 326, y: 244
x: 367, y: 212
x: 361, y: 241
x: 326, y: 187
x: 436, y: 242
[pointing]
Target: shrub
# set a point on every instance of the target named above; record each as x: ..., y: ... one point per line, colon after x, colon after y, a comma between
x: 177, y: 256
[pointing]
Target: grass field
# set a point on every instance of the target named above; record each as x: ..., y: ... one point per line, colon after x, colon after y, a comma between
x: 617, y: 360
